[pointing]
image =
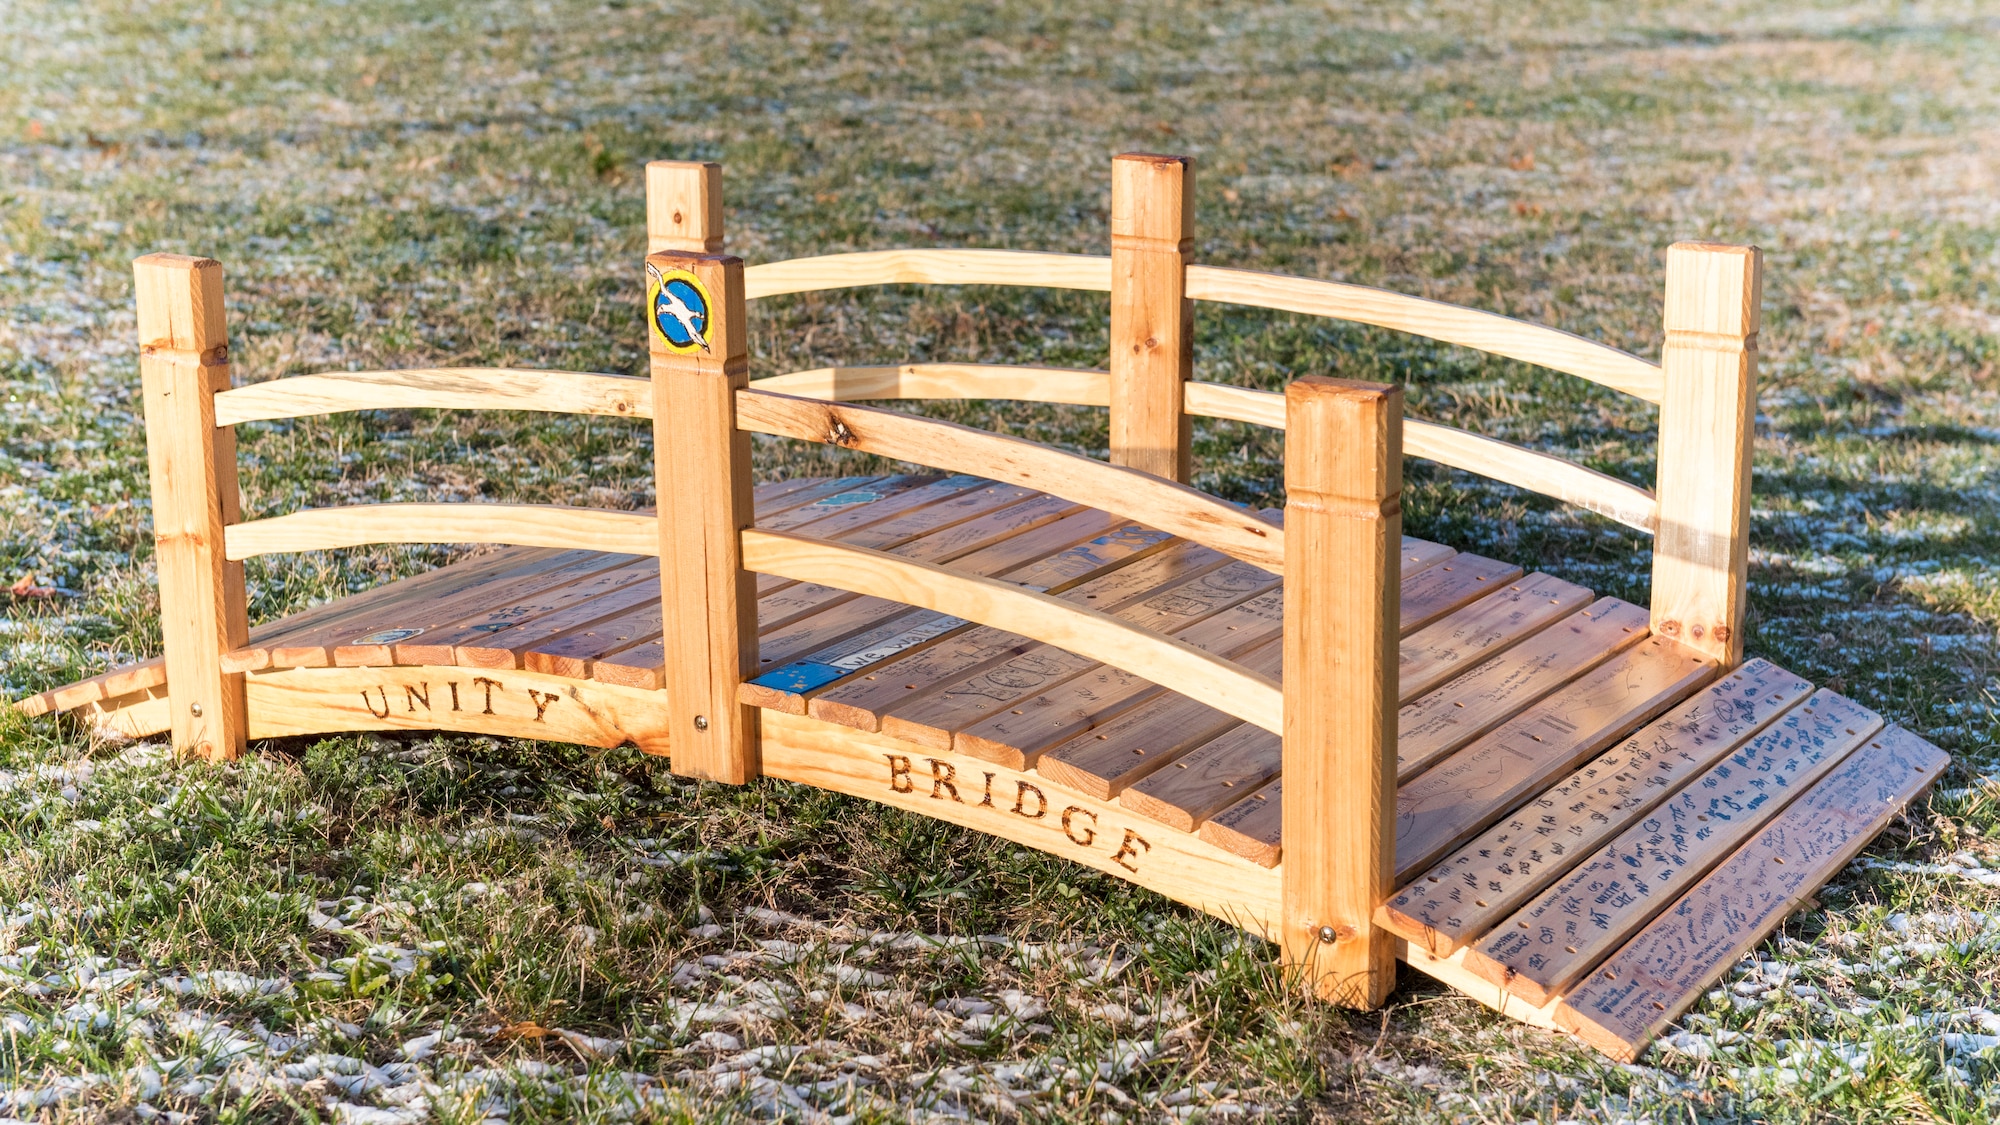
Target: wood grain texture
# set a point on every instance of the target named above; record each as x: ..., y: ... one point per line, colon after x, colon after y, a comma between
x: 1657, y: 975
x: 1460, y: 449
x: 1488, y: 878
x: 1024, y: 808
x: 1152, y: 320
x: 1702, y: 549
x: 437, y: 388
x: 880, y: 684
x: 1069, y: 385
x: 1487, y: 332
x: 701, y: 457
x: 684, y: 206
x: 508, y: 704
x: 1438, y: 652
x: 928, y: 267
x: 1553, y: 941
x: 183, y: 363
x: 1164, y: 504
x: 530, y: 525
x: 1171, y: 663
x: 1433, y: 725
x: 1344, y: 525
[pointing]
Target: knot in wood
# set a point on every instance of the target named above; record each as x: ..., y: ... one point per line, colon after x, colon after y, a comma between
x: 840, y: 435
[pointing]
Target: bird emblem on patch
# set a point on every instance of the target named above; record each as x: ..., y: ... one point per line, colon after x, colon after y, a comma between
x: 679, y: 304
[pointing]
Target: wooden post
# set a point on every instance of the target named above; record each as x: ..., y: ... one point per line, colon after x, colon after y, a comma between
x: 695, y: 325
x: 1343, y: 530
x: 1152, y: 320
x: 684, y: 206
x: 1707, y: 417
x: 183, y: 362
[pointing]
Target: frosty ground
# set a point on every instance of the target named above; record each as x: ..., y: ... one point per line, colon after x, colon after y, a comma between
x: 374, y: 930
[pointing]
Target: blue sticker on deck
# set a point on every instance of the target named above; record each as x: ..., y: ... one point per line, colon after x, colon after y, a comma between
x: 801, y: 677
x: 386, y: 637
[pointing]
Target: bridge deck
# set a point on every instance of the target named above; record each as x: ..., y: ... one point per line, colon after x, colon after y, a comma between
x: 1591, y: 823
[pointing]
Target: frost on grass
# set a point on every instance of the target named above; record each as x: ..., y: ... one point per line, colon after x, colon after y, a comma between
x: 462, y: 185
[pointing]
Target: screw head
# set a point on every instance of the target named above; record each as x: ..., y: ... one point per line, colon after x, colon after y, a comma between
x: 701, y: 722
x: 1328, y: 935
x: 195, y: 710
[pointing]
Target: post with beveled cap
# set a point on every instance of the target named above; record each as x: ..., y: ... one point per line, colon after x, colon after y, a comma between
x: 1343, y: 531
x: 1708, y: 366
x: 708, y: 602
x: 183, y: 362
x: 684, y: 206
x: 1152, y: 320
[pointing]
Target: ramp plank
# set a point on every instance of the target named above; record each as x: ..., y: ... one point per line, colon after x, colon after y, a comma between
x: 1474, y: 888
x: 1546, y: 946
x: 1659, y: 973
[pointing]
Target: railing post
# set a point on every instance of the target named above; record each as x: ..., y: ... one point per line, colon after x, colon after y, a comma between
x: 1707, y: 417
x: 684, y: 206
x: 1152, y: 320
x: 183, y: 362
x: 708, y: 602
x: 1343, y: 531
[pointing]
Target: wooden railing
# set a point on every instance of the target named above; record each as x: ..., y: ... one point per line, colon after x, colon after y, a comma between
x: 1173, y: 664
x: 1163, y: 504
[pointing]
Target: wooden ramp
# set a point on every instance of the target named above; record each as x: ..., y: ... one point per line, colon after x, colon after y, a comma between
x: 1591, y: 823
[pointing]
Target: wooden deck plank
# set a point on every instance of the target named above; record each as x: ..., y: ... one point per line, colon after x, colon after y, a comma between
x: 923, y: 511
x: 510, y: 607
x: 637, y: 662
x: 401, y: 625
x: 1111, y: 568
x: 933, y: 718
x: 1495, y: 623
x: 1654, y: 977
x: 1104, y: 760
x: 1057, y: 693
x: 1446, y: 719
x: 1550, y: 943
x: 1467, y: 893
x: 1012, y: 557
x: 311, y: 646
x: 1498, y: 770
x: 869, y: 682
x: 1111, y: 760
x: 865, y: 500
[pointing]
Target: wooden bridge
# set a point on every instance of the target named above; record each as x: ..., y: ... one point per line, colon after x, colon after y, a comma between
x: 1363, y: 746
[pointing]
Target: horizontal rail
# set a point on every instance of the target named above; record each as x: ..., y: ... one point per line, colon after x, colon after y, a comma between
x: 441, y: 388
x: 1453, y: 324
x: 1071, y: 385
x: 1169, y: 506
x: 928, y: 267
x: 521, y: 525
x: 1489, y: 457
x: 1173, y: 664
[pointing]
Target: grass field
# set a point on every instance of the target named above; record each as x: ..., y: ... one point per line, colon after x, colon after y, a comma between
x: 385, y: 930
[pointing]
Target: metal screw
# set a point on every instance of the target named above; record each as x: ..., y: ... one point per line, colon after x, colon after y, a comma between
x: 1328, y: 935
x: 701, y: 722
x: 195, y: 710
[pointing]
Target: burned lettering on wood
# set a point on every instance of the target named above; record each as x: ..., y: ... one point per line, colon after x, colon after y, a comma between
x: 1081, y: 826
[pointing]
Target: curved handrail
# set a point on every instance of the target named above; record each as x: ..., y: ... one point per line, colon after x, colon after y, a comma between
x: 1447, y: 445
x: 1453, y: 324
x: 522, y: 525
x: 1173, y: 664
x: 928, y: 267
x: 1164, y: 504
x: 445, y: 388
x: 1070, y: 385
